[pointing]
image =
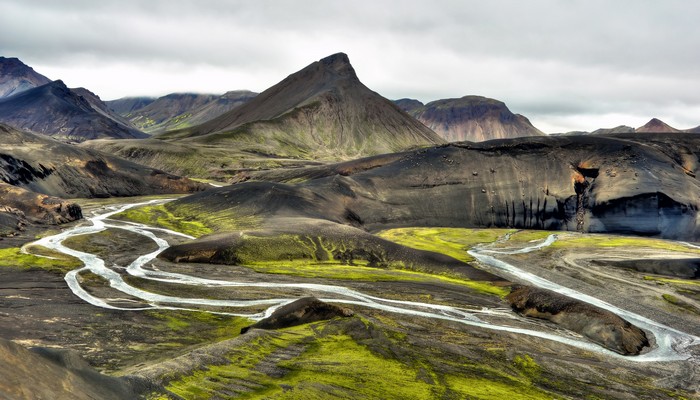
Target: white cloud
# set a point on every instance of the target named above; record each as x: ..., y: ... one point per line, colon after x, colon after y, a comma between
x: 573, y: 65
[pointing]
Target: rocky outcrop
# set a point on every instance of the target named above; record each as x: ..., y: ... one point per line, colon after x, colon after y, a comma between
x: 302, y: 311
x: 598, y: 325
x: 20, y: 206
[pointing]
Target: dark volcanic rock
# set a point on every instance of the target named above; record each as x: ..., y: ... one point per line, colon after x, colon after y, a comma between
x: 16, y: 77
x: 472, y: 118
x: 67, y: 114
x: 43, y: 165
x: 302, y: 311
x: 597, y: 324
x: 37, y: 208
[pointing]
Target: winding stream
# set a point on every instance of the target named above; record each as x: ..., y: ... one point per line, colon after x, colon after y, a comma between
x: 671, y: 344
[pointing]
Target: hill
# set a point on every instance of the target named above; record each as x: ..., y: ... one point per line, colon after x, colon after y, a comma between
x: 16, y: 77
x: 656, y: 126
x: 68, y: 114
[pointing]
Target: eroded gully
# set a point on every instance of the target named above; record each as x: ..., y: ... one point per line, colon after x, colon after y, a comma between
x: 671, y: 344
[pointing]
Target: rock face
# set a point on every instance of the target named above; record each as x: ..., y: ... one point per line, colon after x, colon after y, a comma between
x: 56, y: 374
x: 16, y: 77
x: 471, y: 118
x: 57, y: 111
x: 642, y: 184
x: 302, y: 311
x: 656, y: 126
x: 599, y: 325
x: 43, y: 165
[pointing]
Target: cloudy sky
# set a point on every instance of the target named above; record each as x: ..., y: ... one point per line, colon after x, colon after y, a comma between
x: 567, y: 65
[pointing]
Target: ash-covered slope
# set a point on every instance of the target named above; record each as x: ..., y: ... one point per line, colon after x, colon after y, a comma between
x: 321, y: 111
x: 68, y: 114
x: 43, y: 373
x: 44, y: 165
x: 471, y: 118
x: 640, y: 183
x: 16, y: 77
x: 127, y: 105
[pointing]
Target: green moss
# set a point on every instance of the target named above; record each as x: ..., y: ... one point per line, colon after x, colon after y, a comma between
x: 598, y: 241
x: 453, y: 242
x: 190, y: 327
x: 159, y: 215
x: 474, y: 388
x: 527, y: 365
x: 674, y: 281
x: 529, y: 236
x: 51, y: 261
x: 333, y: 364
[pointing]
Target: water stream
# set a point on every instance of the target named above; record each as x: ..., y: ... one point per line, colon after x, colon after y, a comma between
x: 671, y: 344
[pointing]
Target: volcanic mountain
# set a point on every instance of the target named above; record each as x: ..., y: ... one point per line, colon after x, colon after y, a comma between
x: 16, y: 77
x: 470, y: 118
x: 68, y: 114
x: 656, y: 126
x: 321, y: 113
x: 178, y: 110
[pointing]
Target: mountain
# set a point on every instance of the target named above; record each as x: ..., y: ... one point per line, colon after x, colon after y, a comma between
x: 643, y: 184
x: 127, y: 105
x: 408, y: 105
x: 656, y: 126
x: 694, y: 130
x: 16, y: 77
x: 55, y: 110
x: 319, y: 114
x: 177, y: 110
x: 617, y: 129
x: 471, y: 118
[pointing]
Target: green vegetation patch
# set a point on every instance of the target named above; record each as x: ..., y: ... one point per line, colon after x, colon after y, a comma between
x: 453, y: 242
x: 590, y: 240
x: 673, y: 281
x: 330, y: 360
x: 49, y: 260
x: 159, y: 215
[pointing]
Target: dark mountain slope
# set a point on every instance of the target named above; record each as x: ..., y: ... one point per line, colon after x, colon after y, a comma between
x: 44, y: 165
x: 127, y: 105
x: 16, y: 77
x: 472, y: 118
x: 57, y: 111
x: 641, y: 185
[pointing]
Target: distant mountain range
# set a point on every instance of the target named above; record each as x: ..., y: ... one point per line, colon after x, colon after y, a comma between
x: 470, y: 118
x: 654, y: 125
x: 177, y: 110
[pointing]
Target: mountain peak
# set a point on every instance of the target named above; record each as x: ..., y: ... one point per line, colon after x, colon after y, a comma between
x: 657, y: 126
x: 16, y: 77
x: 338, y: 63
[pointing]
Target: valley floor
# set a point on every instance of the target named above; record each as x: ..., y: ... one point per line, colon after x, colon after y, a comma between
x: 199, y: 353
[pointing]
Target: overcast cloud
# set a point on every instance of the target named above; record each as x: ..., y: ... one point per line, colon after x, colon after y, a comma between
x: 566, y: 65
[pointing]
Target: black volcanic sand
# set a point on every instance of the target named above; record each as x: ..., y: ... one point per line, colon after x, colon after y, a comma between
x: 592, y: 184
